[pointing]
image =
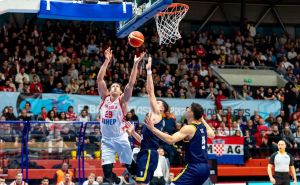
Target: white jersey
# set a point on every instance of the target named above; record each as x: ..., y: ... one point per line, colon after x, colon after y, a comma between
x: 112, y: 118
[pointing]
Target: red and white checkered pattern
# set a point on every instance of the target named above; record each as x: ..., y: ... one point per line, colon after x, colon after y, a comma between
x: 219, y: 149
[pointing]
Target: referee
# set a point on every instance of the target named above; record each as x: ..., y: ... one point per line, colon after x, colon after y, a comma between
x: 283, y: 163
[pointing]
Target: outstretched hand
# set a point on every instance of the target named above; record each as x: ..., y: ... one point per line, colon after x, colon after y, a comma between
x: 149, y: 64
x: 149, y: 123
x: 108, y: 54
x: 130, y: 127
x: 138, y: 59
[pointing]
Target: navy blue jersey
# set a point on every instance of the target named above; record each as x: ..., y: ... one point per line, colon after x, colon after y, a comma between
x: 149, y: 140
x: 196, y: 148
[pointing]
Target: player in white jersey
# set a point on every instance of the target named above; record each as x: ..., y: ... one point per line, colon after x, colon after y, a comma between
x: 112, y: 111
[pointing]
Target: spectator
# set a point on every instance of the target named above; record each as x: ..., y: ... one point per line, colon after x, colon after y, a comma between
x: 161, y: 174
x: 51, y: 116
x: 58, y: 89
x: 249, y: 145
x: 39, y: 133
x: 19, y: 180
x: 67, y: 134
x: 240, y: 116
x: 274, y: 137
x: 91, y: 180
x: 21, y: 77
x: 67, y: 180
x: 222, y: 130
x: 24, y: 116
x: 7, y: 134
x: 71, y: 115
x: 289, y: 101
x: 73, y: 87
x: 36, y: 86
x: 261, y: 140
x: 62, y: 116
x: 289, y: 139
x: 214, y: 122
x: 10, y: 116
x: 269, y: 120
x: 99, y: 179
x: 235, y: 127
x: 45, y: 181
x: 134, y: 117
x: 83, y: 117
x: 2, y: 181
x: 63, y: 176
x: 43, y: 116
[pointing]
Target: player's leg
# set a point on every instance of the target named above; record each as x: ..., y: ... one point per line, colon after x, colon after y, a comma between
x: 147, y: 161
x: 108, y: 158
x: 125, y: 154
x: 123, y: 148
x: 192, y: 174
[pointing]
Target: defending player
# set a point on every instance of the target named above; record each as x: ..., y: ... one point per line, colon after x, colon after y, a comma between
x: 112, y: 111
x: 195, y: 133
x: 147, y: 158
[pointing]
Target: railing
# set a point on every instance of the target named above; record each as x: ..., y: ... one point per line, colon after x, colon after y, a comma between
x: 22, y: 142
x: 47, y: 140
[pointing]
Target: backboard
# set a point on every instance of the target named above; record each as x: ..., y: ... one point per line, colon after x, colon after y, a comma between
x: 143, y: 10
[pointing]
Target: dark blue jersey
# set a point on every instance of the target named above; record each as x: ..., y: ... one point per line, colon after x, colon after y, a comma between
x: 149, y: 140
x: 196, y: 148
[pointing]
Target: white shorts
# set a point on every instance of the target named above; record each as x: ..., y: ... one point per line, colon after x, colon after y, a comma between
x: 117, y: 145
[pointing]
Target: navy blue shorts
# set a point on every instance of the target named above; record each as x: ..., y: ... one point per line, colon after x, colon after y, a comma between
x: 193, y: 174
x: 146, y: 162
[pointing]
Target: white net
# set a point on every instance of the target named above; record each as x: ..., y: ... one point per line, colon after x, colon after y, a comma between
x: 167, y: 23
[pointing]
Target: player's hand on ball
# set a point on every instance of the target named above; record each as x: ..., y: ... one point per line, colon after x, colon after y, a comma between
x: 149, y: 64
x: 148, y: 122
x: 273, y: 181
x: 138, y: 59
x: 108, y: 54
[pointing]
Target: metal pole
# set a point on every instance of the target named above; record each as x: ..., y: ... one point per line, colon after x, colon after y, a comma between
x: 82, y: 149
x: 27, y: 150
x: 224, y: 14
x: 79, y: 154
x: 276, y: 14
x: 262, y: 17
x: 212, y: 13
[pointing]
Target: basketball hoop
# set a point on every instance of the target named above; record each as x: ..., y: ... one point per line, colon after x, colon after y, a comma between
x: 167, y: 22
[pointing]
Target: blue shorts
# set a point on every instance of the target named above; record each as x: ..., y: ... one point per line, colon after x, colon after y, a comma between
x: 193, y: 174
x: 146, y: 162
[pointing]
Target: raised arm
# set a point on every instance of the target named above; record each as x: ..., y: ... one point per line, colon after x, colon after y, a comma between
x: 184, y: 132
x: 209, y: 130
x: 102, y: 89
x: 129, y: 87
x: 150, y: 88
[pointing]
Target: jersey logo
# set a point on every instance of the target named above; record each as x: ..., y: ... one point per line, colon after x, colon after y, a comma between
x: 109, y: 121
x: 219, y: 147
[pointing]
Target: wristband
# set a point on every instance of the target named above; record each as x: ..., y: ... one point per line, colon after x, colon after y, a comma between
x: 149, y: 72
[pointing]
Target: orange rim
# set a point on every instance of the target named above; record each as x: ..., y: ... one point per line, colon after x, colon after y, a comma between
x: 174, y: 5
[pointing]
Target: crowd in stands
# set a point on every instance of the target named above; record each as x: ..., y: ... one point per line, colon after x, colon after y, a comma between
x: 65, y: 58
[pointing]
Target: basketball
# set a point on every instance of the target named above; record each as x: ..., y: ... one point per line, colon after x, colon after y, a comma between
x: 136, y: 39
